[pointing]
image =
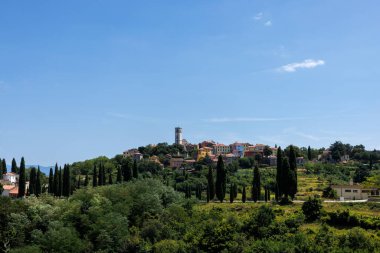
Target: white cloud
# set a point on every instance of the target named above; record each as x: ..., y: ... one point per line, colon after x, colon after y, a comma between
x: 306, y: 64
x: 258, y: 16
x: 268, y: 23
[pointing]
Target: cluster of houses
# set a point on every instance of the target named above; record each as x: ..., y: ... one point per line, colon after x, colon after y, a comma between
x: 10, y: 184
x: 212, y: 150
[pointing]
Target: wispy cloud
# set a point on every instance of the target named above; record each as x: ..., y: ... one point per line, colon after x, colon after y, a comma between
x: 268, y: 23
x: 306, y: 64
x: 258, y: 16
x: 247, y: 119
x: 118, y: 115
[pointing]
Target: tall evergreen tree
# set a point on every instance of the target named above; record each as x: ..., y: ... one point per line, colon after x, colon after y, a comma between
x: 94, y: 177
x: 220, y: 184
x: 85, y: 184
x: 100, y: 175
x: 278, y: 174
x: 285, y: 177
x: 22, y: 179
x: 110, y: 178
x: 32, y: 181
x: 60, y: 182
x: 244, y: 195
x: 103, y: 175
x: 293, y: 172
x: 127, y: 170
x: 135, y: 170
x: 66, y: 181
x: 210, y: 183
x: 56, y: 181
x: 5, y: 170
x: 38, y: 182
x: 256, y: 184
x: 119, y: 175
x: 14, y: 168
x: 309, y: 156
x: 51, y: 181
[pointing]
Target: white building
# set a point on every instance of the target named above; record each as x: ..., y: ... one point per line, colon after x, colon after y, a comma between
x: 11, y: 177
x: 354, y: 191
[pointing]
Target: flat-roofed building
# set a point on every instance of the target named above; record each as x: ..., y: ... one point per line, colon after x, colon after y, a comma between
x: 354, y: 191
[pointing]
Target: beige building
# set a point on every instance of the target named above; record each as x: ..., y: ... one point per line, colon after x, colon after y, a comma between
x: 354, y: 191
x: 221, y: 149
x: 176, y: 162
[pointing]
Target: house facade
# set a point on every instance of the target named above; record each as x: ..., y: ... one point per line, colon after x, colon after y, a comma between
x: 354, y: 191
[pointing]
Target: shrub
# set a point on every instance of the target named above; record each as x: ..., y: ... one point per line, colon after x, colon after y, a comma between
x: 312, y: 209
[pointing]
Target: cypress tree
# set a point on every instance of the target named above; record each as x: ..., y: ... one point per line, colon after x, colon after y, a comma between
x: 60, y: 182
x: 232, y: 194
x: 38, y: 182
x: 244, y: 195
x: 285, y: 176
x: 66, y: 188
x: 110, y: 178
x: 14, y: 168
x: 103, y: 175
x: 5, y: 170
x: 127, y: 170
x: 235, y: 191
x: 256, y: 184
x: 279, y: 174
x: 22, y: 179
x: 119, y: 176
x: 94, y: 177
x: 32, y: 181
x: 293, y: 172
x: 210, y: 183
x: 51, y: 181
x: 220, y: 184
x: 309, y: 157
x: 56, y: 181
x: 135, y: 170
x: 100, y: 176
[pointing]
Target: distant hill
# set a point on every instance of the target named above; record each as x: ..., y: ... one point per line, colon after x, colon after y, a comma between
x: 44, y: 169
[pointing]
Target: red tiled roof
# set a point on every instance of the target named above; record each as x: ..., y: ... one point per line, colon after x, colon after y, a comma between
x: 8, y: 187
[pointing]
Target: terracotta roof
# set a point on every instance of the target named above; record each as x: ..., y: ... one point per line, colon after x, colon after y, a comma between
x: 8, y: 187
x: 14, y: 190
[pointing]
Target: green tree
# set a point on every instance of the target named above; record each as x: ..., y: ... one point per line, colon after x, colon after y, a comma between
x: 207, y: 194
x: 119, y: 175
x: 244, y: 195
x: 267, y: 151
x: 14, y: 168
x: 66, y: 188
x: 38, y: 183
x: 51, y: 182
x: 285, y: 178
x: 94, y: 177
x: 210, y: 183
x: 32, y: 181
x: 309, y: 155
x: 100, y: 175
x: 135, y: 170
x: 56, y: 181
x: 5, y: 170
x: 220, y: 184
x: 86, y: 180
x: 126, y: 169
x: 256, y: 184
x: 22, y: 179
x: 279, y: 174
x: 312, y: 209
x: 292, y: 186
x: 110, y: 178
x: 60, y: 182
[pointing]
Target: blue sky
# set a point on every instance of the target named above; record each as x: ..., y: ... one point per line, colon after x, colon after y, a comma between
x: 79, y: 79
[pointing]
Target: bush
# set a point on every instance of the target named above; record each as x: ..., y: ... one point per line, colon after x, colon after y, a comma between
x: 312, y: 209
x: 329, y: 193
